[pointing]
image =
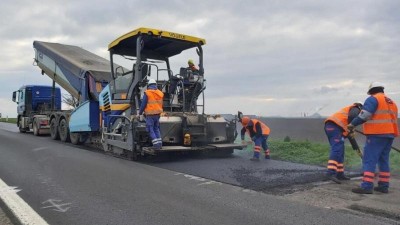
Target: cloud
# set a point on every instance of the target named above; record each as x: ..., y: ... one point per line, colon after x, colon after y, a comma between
x: 326, y: 90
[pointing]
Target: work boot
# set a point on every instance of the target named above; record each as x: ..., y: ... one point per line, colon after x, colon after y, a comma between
x: 267, y: 152
x: 157, y: 147
x: 255, y: 159
x: 361, y: 191
x: 342, y: 177
x: 333, y: 178
x: 381, y: 189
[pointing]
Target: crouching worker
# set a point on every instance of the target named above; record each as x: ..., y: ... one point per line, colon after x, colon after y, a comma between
x: 258, y: 133
x: 336, y: 131
x: 152, y: 107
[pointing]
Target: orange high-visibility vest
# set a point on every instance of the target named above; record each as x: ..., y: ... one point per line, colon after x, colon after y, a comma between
x: 154, y: 102
x: 265, y: 129
x: 340, y: 118
x: 384, y: 120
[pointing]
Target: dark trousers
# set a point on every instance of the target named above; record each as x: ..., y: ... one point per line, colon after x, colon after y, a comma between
x: 376, y: 151
x: 153, y: 127
x: 336, y: 141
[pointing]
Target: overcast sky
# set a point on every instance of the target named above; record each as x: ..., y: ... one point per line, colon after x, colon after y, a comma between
x: 269, y: 58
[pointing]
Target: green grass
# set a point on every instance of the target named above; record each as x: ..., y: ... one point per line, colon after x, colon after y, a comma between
x: 307, y: 152
x: 310, y: 153
x: 10, y: 120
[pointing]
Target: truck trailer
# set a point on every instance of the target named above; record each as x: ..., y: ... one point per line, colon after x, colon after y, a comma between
x: 109, y: 95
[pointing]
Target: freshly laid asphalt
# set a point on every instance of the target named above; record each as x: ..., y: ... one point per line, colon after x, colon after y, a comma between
x: 268, y: 176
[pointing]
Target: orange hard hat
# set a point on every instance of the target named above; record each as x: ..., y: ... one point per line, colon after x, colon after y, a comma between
x: 245, y: 121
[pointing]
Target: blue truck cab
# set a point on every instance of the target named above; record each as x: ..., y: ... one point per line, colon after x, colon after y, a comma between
x: 35, y: 101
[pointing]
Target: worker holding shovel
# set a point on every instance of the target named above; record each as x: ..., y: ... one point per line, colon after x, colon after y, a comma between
x: 258, y: 133
x: 379, y: 118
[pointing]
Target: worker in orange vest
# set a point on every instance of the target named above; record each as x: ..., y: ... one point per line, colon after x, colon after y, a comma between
x: 336, y: 131
x: 379, y: 118
x: 152, y: 106
x: 258, y: 133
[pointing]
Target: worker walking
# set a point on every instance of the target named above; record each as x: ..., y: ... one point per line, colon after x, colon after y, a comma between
x: 336, y: 131
x: 152, y: 106
x: 258, y: 133
x: 379, y: 118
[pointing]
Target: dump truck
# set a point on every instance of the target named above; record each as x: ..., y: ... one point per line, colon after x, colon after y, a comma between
x: 81, y: 73
x: 109, y: 95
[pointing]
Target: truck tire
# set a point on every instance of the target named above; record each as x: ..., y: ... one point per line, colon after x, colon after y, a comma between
x: 54, y: 130
x: 75, y: 138
x: 36, y: 130
x: 21, y: 130
x: 63, y: 130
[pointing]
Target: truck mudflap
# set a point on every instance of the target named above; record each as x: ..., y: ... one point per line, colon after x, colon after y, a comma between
x: 210, y: 147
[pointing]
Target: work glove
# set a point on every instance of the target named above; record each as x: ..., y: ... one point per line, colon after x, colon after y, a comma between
x: 350, y: 127
x: 141, y: 118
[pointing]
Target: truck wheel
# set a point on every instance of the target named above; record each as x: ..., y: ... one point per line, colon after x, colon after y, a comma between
x: 63, y: 130
x: 54, y: 130
x: 36, y: 131
x: 75, y: 138
x: 21, y: 130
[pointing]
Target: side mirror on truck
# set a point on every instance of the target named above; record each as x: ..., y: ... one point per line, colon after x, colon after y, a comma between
x: 14, y: 97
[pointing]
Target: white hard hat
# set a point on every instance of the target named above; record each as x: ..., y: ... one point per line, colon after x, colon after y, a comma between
x: 358, y: 103
x: 374, y: 85
x: 152, y: 81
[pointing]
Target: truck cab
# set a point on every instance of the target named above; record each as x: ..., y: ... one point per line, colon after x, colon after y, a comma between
x: 35, y: 101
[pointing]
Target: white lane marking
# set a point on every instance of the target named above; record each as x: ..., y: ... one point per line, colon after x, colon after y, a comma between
x: 191, y: 177
x: 10, y: 189
x: 249, y: 191
x: 38, y: 149
x: 200, y: 179
x: 209, y: 182
x: 57, y: 207
x: 21, y: 210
